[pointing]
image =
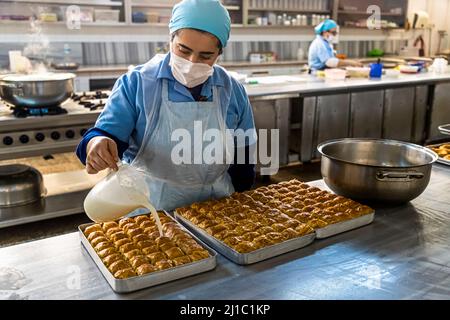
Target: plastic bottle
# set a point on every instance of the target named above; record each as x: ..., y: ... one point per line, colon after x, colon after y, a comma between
x: 300, y: 54
x: 67, y: 53
x: 280, y: 20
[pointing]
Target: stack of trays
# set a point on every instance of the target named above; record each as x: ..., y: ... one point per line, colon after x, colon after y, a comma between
x: 445, y: 129
x: 443, y: 151
x: 246, y: 228
x: 256, y: 225
x: 131, y: 255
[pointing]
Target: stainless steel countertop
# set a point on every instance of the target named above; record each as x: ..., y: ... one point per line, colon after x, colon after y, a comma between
x: 51, y: 207
x: 404, y: 254
x: 308, y: 84
x: 65, y: 196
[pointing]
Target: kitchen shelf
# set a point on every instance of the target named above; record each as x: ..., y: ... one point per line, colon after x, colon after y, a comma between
x: 149, y: 24
x: 365, y: 27
x: 365, y: 13
x: 59, y: 23
x: 233, y: 8
x: 240, y: 11
x: 165, y: 25
x: 170, y: 6
x: 101, y: 24
x: 152, y: 5
x: 277, y: 26
x: 289, y: 10
x: 65, y: 2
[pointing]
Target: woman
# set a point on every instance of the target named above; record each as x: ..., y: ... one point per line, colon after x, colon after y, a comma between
x: 321, y: 52
x: 177, y: 91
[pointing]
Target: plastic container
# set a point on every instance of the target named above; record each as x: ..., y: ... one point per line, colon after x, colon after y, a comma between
x: 164, y: 19
x: 376, y: 70
x: 392, y: 73
x: 87, y: 14
x: 409, y: 69
x: 106, y: 15
x: 358, y: 72
x: 152, y: 17
x: 48, y: 17
x: 440, y: 65
x: 335, y: 74
x: 420, y: 64
x: 139, y: 17
x: 14, y: 56
x: 300, y: 54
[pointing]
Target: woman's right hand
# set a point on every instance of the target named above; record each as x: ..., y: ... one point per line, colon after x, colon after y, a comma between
x: 101, y: 154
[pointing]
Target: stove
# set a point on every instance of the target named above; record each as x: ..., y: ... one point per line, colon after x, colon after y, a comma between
x: 28, y: 132
x: 33, y: 132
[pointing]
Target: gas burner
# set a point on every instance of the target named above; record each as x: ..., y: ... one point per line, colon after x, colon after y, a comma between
x: 90, y: 96
x: 91, y: 100
x: 22, y: 112
x: 92, y: 104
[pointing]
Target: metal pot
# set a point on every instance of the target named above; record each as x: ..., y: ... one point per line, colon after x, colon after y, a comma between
x: 66, y: 66
x: 376, y: 170
x: 19, y: 185
x: 37, y: 90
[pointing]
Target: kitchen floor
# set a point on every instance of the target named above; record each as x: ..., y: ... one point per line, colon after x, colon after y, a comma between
x: 54, y: 227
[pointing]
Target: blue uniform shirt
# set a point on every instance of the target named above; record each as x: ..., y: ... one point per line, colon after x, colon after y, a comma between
x: 124, y: 117
x: 319, y: 53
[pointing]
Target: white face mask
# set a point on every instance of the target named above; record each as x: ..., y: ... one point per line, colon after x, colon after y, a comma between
x: 330, y: 38
x: 188, y: 73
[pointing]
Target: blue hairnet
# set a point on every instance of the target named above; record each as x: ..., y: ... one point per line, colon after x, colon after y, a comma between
x: 325, y: 25
x: 206, y: 15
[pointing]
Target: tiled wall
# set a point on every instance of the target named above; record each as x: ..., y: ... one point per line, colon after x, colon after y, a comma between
x: 136, y: 53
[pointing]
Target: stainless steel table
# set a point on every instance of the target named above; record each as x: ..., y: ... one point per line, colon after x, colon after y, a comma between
x: 404, y: 254
x: 312, y: 85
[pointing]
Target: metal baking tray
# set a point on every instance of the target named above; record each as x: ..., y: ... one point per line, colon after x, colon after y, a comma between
x: 252, y: 257
x: 440, y: 159
x: 445, y: 129
x: 344, y: 226
x: 154, y: 278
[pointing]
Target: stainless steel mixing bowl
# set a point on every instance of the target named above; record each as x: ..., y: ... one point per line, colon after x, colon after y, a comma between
x: 37, y: 91
x: 376, y: 170
x: 20, y: 185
